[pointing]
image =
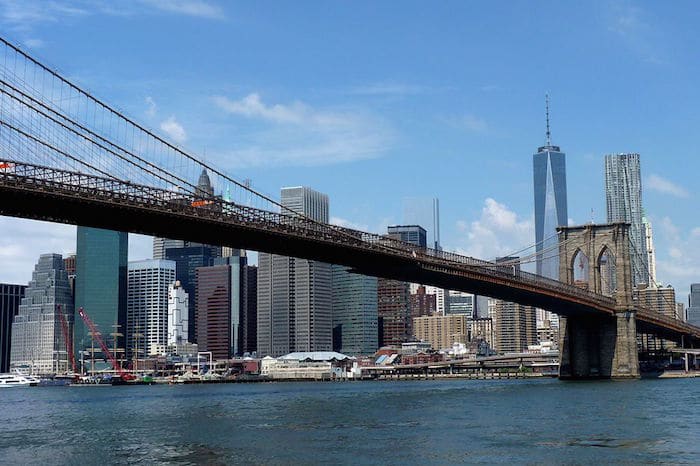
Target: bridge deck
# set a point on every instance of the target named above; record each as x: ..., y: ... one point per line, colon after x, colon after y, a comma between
x: 44, y: 193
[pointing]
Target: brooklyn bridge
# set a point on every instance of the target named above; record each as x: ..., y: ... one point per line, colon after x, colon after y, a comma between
x: 68, y: 157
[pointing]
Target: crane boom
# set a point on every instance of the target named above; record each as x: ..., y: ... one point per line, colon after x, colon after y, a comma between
x: 117, y: 368
x: 67, y: 337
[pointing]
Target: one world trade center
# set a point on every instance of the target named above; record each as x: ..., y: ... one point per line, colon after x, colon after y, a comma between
x: 549, y: 169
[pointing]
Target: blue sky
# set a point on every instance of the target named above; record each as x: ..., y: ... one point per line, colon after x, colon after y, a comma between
x: 374, y: 102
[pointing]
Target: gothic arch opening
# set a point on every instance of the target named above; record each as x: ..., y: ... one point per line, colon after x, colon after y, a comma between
x: 580, y: 269
x: 606, y: 276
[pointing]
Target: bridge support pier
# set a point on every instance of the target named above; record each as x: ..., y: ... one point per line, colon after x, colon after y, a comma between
x: 599, y: 347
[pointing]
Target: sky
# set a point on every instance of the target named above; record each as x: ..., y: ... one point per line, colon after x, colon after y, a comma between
x: 376, y: 102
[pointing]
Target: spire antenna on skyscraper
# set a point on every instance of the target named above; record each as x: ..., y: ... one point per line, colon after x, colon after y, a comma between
x: 549, y: 134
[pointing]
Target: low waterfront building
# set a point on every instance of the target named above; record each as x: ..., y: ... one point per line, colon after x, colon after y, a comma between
x: 314, y: 365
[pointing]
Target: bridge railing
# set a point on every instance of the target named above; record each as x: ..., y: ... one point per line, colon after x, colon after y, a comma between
x: 215, y: 208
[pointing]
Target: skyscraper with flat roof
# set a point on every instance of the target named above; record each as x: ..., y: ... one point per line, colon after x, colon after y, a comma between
x: 101, y: 285
x: 294, y: 295
x: 147, y: 306
x: 693, y: 311
x: 549, y: 180
x: 414, y: 234
x: 354, y: 312
x: 623, y: 198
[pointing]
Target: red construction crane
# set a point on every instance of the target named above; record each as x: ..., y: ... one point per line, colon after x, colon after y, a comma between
x: 117, y: 368
x: 67, y: 337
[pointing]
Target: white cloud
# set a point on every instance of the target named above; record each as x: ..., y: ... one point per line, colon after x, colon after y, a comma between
x: 252, y: 107
x: 499, y: 231
x: 341, y: 222
x: 677, y: 256
x: 172, y: 128
x: 664, y: 186
x: 197, y: 8
x: 23, y: 241
x: 298, y: 134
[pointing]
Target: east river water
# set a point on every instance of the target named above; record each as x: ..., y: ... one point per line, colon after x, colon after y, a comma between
x: 416, y: 422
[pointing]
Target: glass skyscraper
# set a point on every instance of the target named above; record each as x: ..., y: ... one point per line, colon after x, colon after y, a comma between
x: 101, y: 285
x: 354, y: 312
x: 623, y: 198
x: 549, y: 170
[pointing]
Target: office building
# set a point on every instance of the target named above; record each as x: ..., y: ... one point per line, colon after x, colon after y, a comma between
x: 692, y: 314
x: 413, y: 234
x: 481, y: 328
x: 101, y: 286
x: 161, y: 245
x: 394, y: 296
x: 461, y: 303
x: 187, y: 259
x: 441, y: 331
x: 623, y: 197
x: 354, y: 312
x: 213, y: 301
x: 38, y: 344
x: 680, y: 311
x: 661, y: 299
x: 549, y: 180
x: 178, y: 315
x: 422, y: 303
x: 221, y: 301
x: 10, y: 298
x: 295, y: 295
x: 515, y: 327
x: 651, y: 252
x: 249, y: 320
x: 147, y: 307
x: 550, y: 197
x: 394, y: 312
x: 426, y: 212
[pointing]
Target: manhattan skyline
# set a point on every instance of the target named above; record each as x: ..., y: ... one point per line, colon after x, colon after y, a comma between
x: 362, y: 119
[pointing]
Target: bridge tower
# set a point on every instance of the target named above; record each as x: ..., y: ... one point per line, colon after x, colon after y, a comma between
x: 597, y: 257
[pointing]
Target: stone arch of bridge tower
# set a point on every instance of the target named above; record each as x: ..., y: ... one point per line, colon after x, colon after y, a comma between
x: 605, y: 268
x: 594, y: 241
x: 580, y: 268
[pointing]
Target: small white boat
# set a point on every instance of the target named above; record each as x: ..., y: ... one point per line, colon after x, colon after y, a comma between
x: 17, y: 380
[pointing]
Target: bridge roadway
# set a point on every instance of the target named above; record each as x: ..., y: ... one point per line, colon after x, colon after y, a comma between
x: 44, y: 193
